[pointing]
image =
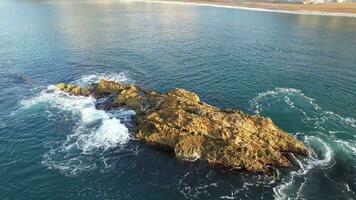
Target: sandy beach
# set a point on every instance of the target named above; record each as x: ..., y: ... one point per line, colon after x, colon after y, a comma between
x: 337, y: 9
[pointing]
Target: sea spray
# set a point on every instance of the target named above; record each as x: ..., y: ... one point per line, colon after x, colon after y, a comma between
x: 93, y: 131
x: 86, y: 80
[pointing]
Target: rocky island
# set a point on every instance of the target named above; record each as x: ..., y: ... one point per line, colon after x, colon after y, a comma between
x: 180, y: 122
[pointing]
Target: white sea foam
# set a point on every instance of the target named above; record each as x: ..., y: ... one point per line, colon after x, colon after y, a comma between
x: 286, y: 189
x: 283, y: 92
x: 86, y: 80
x: 109, y: 132
x: 321, y: 138
x: 326, y: 157
x: 94, y: 129
x: 301, y: 12
x: 345, y: 120
x: 317, y: 139
x: 237, y: 191
x: 348, y: 146
x: 250, y: 183
x: 90, y: 115
x: 66, y: 164
x: 197, y: 190
x: 298, y: 101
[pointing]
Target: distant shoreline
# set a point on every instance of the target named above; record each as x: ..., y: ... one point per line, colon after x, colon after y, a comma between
x: 327, y: 9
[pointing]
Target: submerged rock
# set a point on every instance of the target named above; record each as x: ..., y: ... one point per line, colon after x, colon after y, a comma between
x: 179, y: 121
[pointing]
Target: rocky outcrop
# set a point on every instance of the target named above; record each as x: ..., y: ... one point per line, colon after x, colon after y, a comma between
x: 179, y: 121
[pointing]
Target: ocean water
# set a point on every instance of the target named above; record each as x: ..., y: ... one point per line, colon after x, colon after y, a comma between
x: 300, y: 70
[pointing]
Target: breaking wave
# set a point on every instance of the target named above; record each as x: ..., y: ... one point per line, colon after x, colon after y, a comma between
x: 86, y: 80
x: 94, y: 128
x: 93, y: 131
x: 95, y: 134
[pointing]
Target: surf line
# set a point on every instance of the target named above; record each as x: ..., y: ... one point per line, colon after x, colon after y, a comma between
x: 300, y: 12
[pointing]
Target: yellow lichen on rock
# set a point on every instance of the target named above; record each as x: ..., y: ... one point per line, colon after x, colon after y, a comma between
x: 73, y: 89
x: 179, y: 121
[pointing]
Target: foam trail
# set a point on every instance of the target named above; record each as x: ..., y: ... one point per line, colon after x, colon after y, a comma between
x: 325, y: 159
x: 347, y: 146
x: 286, y: 93
x: 320, y: 135
x: 295, y: 98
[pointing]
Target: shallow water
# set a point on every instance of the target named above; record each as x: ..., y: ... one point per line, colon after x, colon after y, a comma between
x: 299, y: 70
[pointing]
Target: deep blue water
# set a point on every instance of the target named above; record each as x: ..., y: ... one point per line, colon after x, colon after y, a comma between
x: 299, y: 70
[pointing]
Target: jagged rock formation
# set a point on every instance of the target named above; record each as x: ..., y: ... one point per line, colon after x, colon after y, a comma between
x: 179, y: 121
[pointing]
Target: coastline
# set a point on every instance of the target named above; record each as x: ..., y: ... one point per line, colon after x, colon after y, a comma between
x: 326, y: 9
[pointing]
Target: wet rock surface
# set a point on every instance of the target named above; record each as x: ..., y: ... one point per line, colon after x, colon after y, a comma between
x: 179, y: 121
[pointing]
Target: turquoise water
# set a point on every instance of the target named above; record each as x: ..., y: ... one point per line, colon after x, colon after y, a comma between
x: 299, y: 70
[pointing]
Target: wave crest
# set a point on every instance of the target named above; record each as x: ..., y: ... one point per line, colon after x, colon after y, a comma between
x: 94, y: 130
x: 86, y: 80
